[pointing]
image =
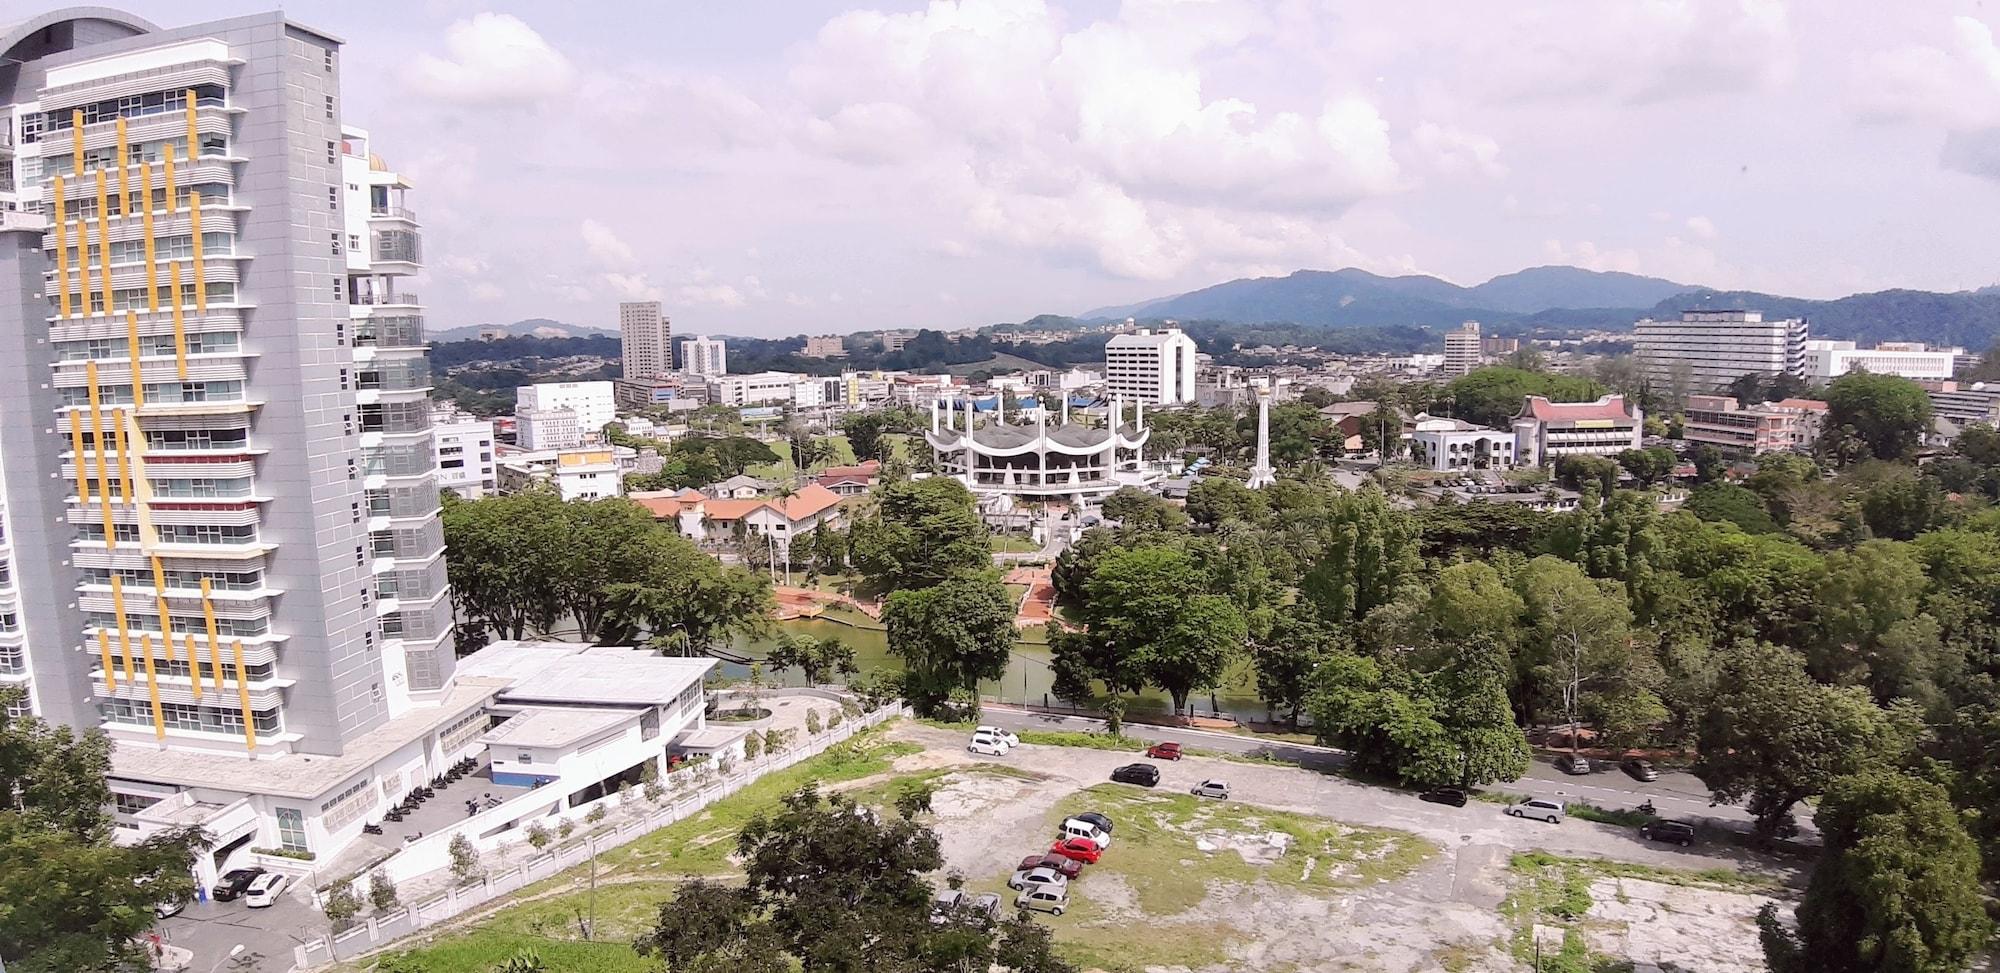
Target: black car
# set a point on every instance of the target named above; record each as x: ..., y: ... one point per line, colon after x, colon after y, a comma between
x: 1639, y: 769
x: 1453, y: 796
x: 1144, y: 775
x: 232, y: 883
x: 1674, y: 831
x: 1103, y: 823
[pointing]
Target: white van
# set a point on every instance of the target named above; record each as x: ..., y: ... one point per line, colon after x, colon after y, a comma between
x: 1079, y: 828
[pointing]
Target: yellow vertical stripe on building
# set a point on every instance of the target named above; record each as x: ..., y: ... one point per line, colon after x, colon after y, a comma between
x: 124, y: 173
x: 166, y: 616
x: 153, y: 687
x: 110, y: 667
x: 142, y: 488
x: 62, y: 249
x: 124, y: 459
x: 194, y: 662
x: 76, y: 450
x: 214, y: 643
x: 132, y: 351
x: 171, y: 206
x: 97, y: 453
x: 180, y: 335
x: 194, y: 224
x: 104, y: 240
x: 146, y: 217
x: 194, y: 135
x: 76, y: 142
x: 243, y: 697
x: 118, y: 613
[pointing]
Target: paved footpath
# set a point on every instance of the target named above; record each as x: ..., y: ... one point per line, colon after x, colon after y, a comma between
x: 1677, y: 795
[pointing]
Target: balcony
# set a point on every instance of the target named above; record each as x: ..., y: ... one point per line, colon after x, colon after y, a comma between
x: 404, y: 299
x: 403, y: 213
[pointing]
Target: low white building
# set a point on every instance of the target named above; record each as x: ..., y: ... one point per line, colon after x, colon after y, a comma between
x: 760, y: 388
x: 1546, y: 431
x: 582, y: 473
x: 595, y: 403
x: 537, y: 429
x: 1828, y: 360
x: 1452, y: 445
x: 464, y: 447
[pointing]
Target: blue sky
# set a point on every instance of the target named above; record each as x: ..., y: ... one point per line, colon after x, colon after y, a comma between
x: 784, y: 167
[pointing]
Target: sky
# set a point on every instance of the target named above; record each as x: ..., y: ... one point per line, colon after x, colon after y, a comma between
x: 775, y: 167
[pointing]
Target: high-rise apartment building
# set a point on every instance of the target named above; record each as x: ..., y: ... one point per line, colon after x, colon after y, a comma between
x: 213, y: 408
x: 1462, y: 350
x: 1707, y: 350
x: 704, y: 356
x: 645, y: 339
x: 1154, y: 367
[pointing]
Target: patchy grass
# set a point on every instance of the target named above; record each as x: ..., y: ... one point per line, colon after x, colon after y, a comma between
x: 1623, y: 817
x: 1552, y: 890
x: 485, y: 949
x: 1090, y: 938
x: 1089, y: 741
x: 1014, y: 544
x: 882, y: 794
x: 1503, y: 798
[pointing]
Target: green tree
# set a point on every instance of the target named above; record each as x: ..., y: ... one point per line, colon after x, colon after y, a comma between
x: 1137, y: 508
x: 819, y: 659
x: 1731, y: 504
x: 1580, y: 472
x: 1366, y: 550
x: 951, y: 635
x: 1285, y: 659
x: 1649, y: 466
x: 1214, y: 499
x: 1772, y: 735
x: 342, y: 905
x: 1471, y: 689
x: 1886, y: 415
x: 1151, y: 610
x: 1579, y: 644
x: 1493, y: 396
x: 1896, y: 890
x: 685, y: 601
x: 921, y: 532
x: 382, y: 892
x: 464, y: 858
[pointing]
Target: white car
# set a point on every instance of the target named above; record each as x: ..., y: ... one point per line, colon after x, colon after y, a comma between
x: 1004, y: 736
x: 263, y: 892
x: 1211, y: 788
x: 1541, y: 809
x: 988, y: 745
x: 1079, y: 828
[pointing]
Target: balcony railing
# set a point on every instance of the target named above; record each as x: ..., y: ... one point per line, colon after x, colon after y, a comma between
x: 405, y: 298
x: 393, y: 212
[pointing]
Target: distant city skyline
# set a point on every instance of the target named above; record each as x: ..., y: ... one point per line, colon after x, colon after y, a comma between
x: 830, y: 167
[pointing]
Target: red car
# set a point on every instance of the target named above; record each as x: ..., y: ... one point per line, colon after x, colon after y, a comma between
x: 1077, y: 849
x: 1066, y: 867
x: 1164, y: 751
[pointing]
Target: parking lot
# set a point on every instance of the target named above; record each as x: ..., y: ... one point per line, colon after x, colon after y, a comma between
x: 1298, y: 869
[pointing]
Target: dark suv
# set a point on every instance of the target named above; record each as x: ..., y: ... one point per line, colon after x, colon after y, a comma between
x: 232, y: 883
x: 1674, y: 831
x: 1144, y: 775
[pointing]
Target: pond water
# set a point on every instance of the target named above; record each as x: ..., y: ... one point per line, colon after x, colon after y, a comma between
x: 1027, y: 678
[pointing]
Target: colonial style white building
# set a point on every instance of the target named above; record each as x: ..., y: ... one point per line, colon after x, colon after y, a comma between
x: 1546, y: 431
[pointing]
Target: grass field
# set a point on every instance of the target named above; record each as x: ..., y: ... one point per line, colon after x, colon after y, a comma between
x: 843, y: 455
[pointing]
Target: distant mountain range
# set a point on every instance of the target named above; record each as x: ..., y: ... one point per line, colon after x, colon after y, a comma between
x: 1567, y: 297
x: 535, y: 327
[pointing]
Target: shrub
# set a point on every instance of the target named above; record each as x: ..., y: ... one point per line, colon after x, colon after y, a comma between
x: 753, y: 745
x: 464, y: 858
x: 837, y: 716
x: 342, y: 904
x: 382, y: 892
x: 655, y: 791
x: 597, y: 814
x: 304, y: 856
x: 539, y: 836
x: 812, y: 722
x: 564, y: 827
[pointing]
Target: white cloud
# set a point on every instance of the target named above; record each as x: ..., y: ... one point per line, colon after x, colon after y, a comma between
x: 715, y: 295
x: 1701, y: 226
x: 1452, y: 151
x: 1626, y: 53
x: 493, y: 59
x: 605, y: 245
x: 1953, y: 82
x: 632, y: 287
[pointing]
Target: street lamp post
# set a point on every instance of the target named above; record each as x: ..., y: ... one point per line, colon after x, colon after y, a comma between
x: 234, y: 951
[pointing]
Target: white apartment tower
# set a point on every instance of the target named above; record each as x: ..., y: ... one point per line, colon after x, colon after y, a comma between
x: 646, y: 340
x: 464, y: 454
x: 1707, y: 350
x: 539, y: 423
x: 1462, y: 349
x: 704, y: 356
x: 1153, y: 367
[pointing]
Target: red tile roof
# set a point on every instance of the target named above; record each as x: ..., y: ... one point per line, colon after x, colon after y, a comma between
x: 1608, y: 407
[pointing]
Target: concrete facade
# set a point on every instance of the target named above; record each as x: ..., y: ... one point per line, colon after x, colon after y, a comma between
x: 645, y: 340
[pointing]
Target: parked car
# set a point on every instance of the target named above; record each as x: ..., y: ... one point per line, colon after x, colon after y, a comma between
x: 1144, y: 775
x: 1077, y: 849
x: 1065, y: 868
x: 1674, y: 831
x: 233, y: 882
x: 1103, y: 823
x: 1042, y: 875
x: 1218, y: 789
x: 944, y: 904
x: 1004, y: 736
x: 1573, y: 764
x: 263, y: 892
x: 988, y: 745
x: 1079, y: 828
x: 169, y: 908
x: 1639, y: 769
x: 1454, y: 796
x: 985, y: 906
x: 1164, y: 751
x: 1541, y: 809
x: 1052, y: 899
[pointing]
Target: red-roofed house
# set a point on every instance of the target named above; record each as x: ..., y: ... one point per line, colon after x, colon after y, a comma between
x: 851, y: 481
x: 701, y: 518
x: 1545, y: 431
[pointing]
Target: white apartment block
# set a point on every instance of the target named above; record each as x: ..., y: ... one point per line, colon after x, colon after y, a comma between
x: 1153, y: 367
x: 762, y: 388
x: 465, y: 448
x: 1462, y: 349
x: 1546, y: 431
x: 586, y: 473
x: 1828, y: 360
x: 547, y: 429
x: 645, y: 340
x: 594, y: 403
x: 704, y: 356
x: 1707, y: 350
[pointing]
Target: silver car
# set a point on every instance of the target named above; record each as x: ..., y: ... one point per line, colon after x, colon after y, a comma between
x: 1541, y: 809
x: 1211, y: 788
x: 1052, y: 899
x: 1036, y: 876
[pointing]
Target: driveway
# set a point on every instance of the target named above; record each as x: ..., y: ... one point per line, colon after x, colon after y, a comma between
x: 1677, y: 795
x: 211, y: 929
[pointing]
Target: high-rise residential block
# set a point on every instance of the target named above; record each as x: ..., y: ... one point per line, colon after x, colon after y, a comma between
x: 1707, y: 350
x: 704, y: 356
x: 646, y: 340
x: 1153, y: 367
x: 1462, y: 349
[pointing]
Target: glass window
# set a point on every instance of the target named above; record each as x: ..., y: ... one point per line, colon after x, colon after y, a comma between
x: 292, y: 829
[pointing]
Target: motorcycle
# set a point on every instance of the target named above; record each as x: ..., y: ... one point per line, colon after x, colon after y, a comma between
x: 1647, y: 808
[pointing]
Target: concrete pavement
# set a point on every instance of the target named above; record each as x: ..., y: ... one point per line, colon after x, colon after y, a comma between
x: 1677, y: 795
x: 211, y: 929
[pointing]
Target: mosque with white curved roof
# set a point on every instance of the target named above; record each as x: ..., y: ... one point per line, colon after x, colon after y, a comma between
x: 1064, y: 461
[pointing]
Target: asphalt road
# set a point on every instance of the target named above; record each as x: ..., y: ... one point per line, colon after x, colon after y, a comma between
x: 1676, y: 795
x: 211, y: 929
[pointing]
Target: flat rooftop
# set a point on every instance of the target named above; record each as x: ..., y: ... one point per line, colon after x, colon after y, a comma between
x: 569, y: 672
x: 551, y: 728
x: 299, y: 775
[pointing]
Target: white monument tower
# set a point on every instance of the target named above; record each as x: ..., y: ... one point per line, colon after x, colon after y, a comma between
x: 1261, y: 475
